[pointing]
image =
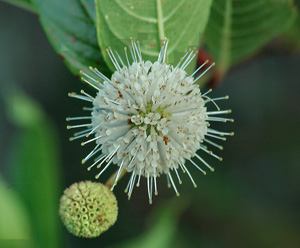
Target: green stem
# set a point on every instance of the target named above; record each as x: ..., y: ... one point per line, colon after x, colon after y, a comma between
x: 110, y: 182
x: 21, y: 4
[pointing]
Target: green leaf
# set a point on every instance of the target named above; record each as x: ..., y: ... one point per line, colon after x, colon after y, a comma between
x: 24, y: 4
x: 35, y: 166
x: 163, y: 231
x: 181, y: 21
x: 71, y: 32
x: 292, y: 36
x: 238, y: 28
x: 15, y: 230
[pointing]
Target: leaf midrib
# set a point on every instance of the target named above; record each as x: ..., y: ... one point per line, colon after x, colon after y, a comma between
x: 225, y: 42
x: 160, y: 21
x: 147, y: 52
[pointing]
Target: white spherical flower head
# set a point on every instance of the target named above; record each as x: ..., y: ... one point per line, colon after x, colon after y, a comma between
x: 149, y: 118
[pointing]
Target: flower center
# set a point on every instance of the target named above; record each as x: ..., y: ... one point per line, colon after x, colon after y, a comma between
x: 156, y: 118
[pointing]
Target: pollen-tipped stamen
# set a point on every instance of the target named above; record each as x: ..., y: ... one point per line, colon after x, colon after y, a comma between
x: 131, y: 186
x: 197, y: 166
x: 93, y: 139
x: 138, y: 182
x: 92, y: 153
x: 173, y: 184
x: 118, y: 175
x: 199, y: 68
x: 97, y: 160
x: 84, y: 98
x: 213, y: 144
x: 176, y: 172
x: 189, y: 174
x: 155, y: 186
x: 219, y: 112
x: 195, y: 80
x: 108, y: 164
x: 148, y: 188
x: 209, y: 130
x: 215, y: 136
x: 79, y: 126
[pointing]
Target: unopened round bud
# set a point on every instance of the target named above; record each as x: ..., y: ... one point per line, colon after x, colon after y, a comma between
x: 88, y: 209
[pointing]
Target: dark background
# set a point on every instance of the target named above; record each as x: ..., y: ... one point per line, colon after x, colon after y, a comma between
x: 253, y: 197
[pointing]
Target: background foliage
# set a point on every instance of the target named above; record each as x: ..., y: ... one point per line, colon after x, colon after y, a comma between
x: 250, y: 201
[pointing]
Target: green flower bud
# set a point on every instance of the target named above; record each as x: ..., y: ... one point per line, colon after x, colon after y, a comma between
x: 88, y: 209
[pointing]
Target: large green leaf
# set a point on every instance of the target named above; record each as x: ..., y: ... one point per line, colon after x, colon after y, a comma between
x: 237, y: 28
x: 15, y: 230
x: 151, y: 21
x: 35, y: 169
x: 72, y: 33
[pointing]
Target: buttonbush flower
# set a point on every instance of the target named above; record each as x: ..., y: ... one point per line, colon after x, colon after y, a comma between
x: 149, y: 118
x: 88, y: 209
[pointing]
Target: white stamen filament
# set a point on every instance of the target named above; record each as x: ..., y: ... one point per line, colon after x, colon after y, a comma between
x: 94, y: 151
x: 179, y: 180
x: 173, y: 184
x: 213, y: 64
x: 189, y: 174
x: 213, y: 144
x: 78, y: 126
x: 88, y: 141
x: 199, y: 68
x: 84, y: 98
x: 118, y: 175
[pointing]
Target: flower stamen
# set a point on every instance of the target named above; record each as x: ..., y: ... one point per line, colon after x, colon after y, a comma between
x: 197, y: 166
x: 213, y: 64
x: 97, y: 176
x: 213, y: 144
x: 179, y: 180
x: 199, y: 68
x: 118, y: 175
x: 138, y: 183
x: 81, y: 97
x: 91, y: 154
x: 173, y: 184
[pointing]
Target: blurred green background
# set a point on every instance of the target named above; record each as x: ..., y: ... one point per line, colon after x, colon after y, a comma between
x: 251, y: 200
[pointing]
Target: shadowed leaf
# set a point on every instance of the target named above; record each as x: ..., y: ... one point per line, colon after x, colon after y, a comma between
x: 237, y: 28
x: 71, y: 32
